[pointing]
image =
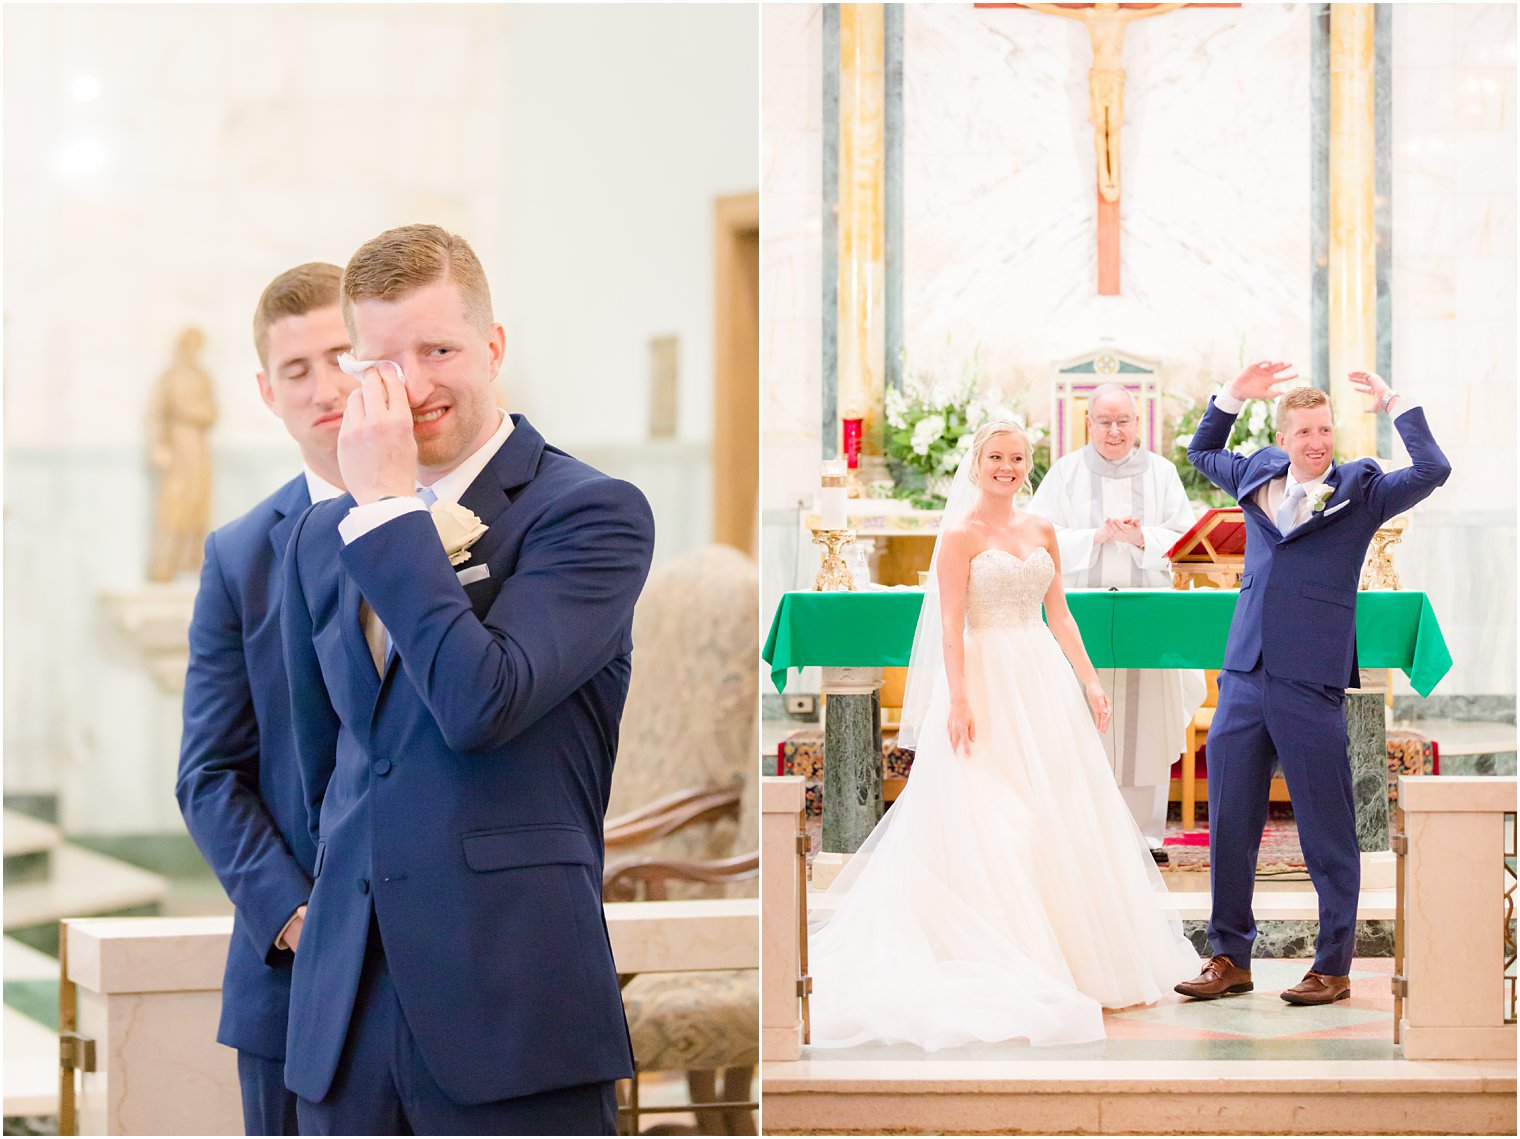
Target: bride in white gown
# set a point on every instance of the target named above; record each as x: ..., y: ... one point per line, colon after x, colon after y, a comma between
x: 1008, y: 893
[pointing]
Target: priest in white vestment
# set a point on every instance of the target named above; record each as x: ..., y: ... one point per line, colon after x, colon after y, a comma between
x: 1117, y: 509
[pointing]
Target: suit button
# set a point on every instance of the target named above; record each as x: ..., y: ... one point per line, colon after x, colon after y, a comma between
x: 382, y: 765
x: 363, y: 885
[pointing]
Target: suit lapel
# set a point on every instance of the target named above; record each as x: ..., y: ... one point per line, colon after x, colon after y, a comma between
x: 293, y: 499
x: 490, y: 496
x: 1275, y: 466
x: 1318, y: 519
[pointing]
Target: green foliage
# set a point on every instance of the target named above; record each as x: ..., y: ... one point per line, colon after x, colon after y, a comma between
x: 930, y: 426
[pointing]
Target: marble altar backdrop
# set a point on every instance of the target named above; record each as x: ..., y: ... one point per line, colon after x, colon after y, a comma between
x: 999, y: 235
x: 162, y: 163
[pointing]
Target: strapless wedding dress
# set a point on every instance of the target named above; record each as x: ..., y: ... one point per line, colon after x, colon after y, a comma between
x: 1008, y: 895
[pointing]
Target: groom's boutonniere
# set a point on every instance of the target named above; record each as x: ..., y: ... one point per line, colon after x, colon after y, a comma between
x: 1319, y: 497
x: 458, y: 529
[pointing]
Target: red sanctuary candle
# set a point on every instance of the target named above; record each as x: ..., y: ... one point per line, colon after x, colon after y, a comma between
x: 852, y: 442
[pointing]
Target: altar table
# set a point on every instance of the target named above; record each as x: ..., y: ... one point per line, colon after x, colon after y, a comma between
x: 853, y: 635
x: 1131, y: 628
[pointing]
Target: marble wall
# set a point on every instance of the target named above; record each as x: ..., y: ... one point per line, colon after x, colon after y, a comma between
x: 1000, y: 189
x: 1000, y: 234
x: 791, y: 225
x: 162, y: 163
x: 1454, y: 317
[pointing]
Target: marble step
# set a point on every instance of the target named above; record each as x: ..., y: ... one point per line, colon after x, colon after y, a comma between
x: 821, y: 1095
x: 1287, y: 912
x: 28, y: 845
x: 31, y: 1066
x: 1465, y: 737
x: 81, y: 883
x: 23, y: 963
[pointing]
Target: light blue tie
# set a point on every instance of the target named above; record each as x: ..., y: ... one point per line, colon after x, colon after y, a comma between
x: 1287, y: 513
x: 428, y: 496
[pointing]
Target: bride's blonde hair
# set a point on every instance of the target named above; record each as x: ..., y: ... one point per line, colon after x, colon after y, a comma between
x: 985, y: 432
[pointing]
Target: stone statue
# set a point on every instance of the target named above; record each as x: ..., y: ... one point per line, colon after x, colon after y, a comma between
x: 179, y: 426
x: 1105, y: 80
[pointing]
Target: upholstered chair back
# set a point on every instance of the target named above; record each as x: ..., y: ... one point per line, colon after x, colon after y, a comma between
x: 692, y: 699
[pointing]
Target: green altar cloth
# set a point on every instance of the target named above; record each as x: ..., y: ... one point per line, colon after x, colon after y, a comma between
x: 1132, y: 628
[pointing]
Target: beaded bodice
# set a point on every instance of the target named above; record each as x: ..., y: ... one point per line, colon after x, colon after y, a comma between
x: 1004, y: 590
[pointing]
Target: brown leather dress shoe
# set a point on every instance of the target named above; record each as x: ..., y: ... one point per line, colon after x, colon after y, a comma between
x: 1318, y: 989
x: 1221, y: 977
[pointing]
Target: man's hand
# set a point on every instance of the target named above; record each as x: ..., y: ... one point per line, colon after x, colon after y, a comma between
x: 1370, y: 384
x: 1128, y: 530
x: 1257, y: 381
x: 1107, y: 532
x: 290, y: 936
x: 377, y: 453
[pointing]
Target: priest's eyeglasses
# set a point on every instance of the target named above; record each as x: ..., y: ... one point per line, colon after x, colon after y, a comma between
x: 1121, y: 423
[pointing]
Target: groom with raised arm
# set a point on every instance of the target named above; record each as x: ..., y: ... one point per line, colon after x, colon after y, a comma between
x: 1290, y: 656
x: 457, y: 677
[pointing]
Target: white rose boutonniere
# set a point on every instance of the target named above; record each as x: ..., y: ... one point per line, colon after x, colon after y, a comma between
x: 458, y: 529
x: 1319, y: 497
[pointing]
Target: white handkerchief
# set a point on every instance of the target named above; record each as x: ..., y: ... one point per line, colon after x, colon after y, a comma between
x: 357, y: 368
x: 1337, y: 506
x: 474, y: 573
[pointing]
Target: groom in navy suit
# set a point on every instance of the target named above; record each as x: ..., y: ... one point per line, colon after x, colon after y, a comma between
x: 239, y: 787
x: 457, y: 677
x: 1290, y: 656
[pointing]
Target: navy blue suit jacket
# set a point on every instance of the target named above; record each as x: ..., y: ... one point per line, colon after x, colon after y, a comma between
x: 239, y: 785
x: 1297, y: 609
x: 460, y: 797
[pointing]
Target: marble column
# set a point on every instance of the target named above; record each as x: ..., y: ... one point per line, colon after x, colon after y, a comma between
x: 1367, y: 734
x: 862, y: 267
x: 1352, y: 277
x: 852, y: 803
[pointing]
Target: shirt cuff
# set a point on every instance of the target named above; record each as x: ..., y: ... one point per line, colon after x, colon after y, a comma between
x: 1227, y: 403
x: 360, y: 520
x: 300, y: 915
x: 1403, y: 405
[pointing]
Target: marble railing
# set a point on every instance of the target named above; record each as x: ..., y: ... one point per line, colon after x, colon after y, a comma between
x: 149, y: 994
x: 1454, y: 917
x: 781, y: 800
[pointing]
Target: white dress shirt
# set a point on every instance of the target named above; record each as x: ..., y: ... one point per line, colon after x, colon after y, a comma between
x: 1270, y: 494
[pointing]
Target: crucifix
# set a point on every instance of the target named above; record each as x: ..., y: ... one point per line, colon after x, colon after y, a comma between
x: 1106, y: 24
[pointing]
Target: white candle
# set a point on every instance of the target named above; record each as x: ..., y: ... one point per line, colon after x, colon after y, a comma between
x: 834, y: 494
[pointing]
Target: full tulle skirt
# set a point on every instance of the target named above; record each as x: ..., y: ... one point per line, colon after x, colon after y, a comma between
x: 1007, y: 894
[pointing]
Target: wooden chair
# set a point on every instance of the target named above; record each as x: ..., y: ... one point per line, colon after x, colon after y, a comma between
x: 1197, y: 733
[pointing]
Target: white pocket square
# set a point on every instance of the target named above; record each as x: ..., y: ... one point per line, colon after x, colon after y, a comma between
x: 473, y: 573
x: 1337, y: 506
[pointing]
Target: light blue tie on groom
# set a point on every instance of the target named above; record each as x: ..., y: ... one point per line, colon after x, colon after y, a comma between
x: 1287, y: 513
x: 375, y: 634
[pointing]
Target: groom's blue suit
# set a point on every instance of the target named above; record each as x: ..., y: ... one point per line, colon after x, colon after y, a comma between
x: 1290, y: 656
x: 240, y: 789
x: 456, y: 802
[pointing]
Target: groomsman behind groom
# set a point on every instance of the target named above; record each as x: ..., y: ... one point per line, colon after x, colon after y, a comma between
x: 456, y: 726
x: 1290, y: 656
x: 239, y: 788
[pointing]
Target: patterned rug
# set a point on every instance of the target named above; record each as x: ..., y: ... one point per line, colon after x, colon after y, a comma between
x: 1279, y: 856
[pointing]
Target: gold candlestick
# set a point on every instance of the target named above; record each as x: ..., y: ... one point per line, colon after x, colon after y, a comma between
x: 833, y: 575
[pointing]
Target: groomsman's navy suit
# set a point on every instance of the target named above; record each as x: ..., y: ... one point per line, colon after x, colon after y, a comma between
x: 457, y: 801
x: 1290, y: 656
x: 240, y: 788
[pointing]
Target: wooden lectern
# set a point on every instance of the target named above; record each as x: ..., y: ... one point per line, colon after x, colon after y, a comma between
x: 1212, y: 553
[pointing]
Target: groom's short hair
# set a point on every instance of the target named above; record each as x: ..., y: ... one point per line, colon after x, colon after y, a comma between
x: 401, y: 261
x: 1296, y: 399
x: 294, y: 292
